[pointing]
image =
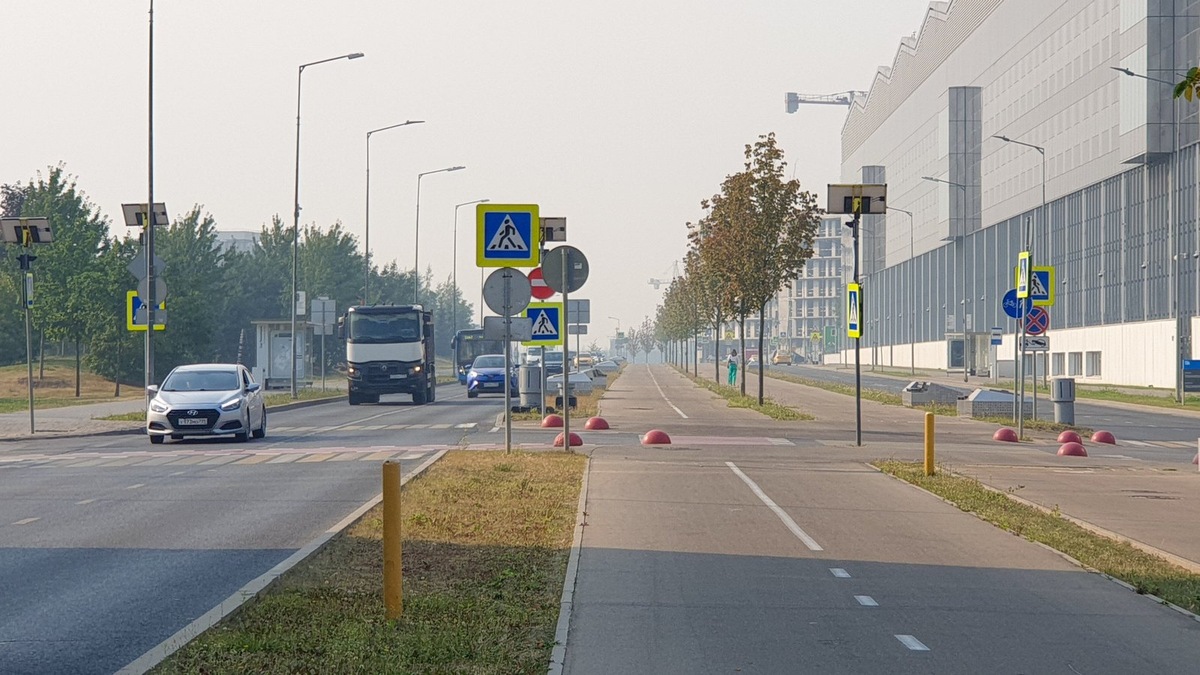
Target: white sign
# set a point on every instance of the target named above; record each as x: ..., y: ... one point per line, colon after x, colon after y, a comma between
x: 997, y: 335
x: 1037, y: 343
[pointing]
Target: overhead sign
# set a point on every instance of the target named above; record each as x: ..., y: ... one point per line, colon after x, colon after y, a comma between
x: 1023, y: 275
x: 507, y: 235
x: 854, y: 308
x: 537, y: 285
x: 1037, y: 321
x: 1037, y: 343
x: 546, y: 323
x: 135, y: 313
x: 1015, y: 307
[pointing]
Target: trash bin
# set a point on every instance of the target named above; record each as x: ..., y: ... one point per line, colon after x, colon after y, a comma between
x: 529, y: 386
x: 1062, y: 394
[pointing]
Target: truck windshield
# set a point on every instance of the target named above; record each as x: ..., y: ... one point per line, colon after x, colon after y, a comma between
x: 384, y: 328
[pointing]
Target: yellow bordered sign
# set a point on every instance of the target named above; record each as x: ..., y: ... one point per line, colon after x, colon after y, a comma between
x: 507, y: 235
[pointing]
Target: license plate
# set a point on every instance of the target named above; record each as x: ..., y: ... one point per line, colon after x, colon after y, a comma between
x: 399, y: 376
x: 493, y: 385
x: 192, y: 421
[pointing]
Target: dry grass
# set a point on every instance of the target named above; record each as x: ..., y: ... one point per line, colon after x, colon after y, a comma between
x: 57, y: 388
x: 486, y: 540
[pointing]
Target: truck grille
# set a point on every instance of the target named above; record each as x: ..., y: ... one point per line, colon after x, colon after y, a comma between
x: 382, y: 371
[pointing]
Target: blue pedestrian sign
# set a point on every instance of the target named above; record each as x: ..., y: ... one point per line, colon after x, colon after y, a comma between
x: 1041, y: 285
x: 854, y: 306
x: 1014, y: 307
x: 507, y: 235
x: 1023, y: 275
x: 546, y: 321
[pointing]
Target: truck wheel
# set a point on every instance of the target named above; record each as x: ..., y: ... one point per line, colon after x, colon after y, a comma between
x: 432, y: 393
x: 353, y: 398
x: 421, y: 397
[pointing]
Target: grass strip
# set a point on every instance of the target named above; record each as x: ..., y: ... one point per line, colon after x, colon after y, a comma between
x: 735, y: 399
x: 1146, y: 572
x: 486, y: 541
x: 272, y: 401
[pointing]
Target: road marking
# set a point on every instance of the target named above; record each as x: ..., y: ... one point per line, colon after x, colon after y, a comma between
x: 912, y: 643
x: 839, y: 572
x: 85, y: 501
x: 320, y: 457
x: 660, y: 392
x: 787, y: 520
x: 1142, y: 444
x: 468, y: 425
x: 254, y: 459
x: 180, y: 473
x: 136, y: 486
x: 866, y: 601
x: 26, y: 521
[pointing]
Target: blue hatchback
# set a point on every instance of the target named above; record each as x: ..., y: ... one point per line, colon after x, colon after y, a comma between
x: 486, y: 376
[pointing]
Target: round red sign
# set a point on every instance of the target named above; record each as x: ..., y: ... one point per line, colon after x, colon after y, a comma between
x: 537, y: 285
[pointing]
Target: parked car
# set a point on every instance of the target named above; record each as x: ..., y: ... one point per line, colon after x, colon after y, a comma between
x: 553, y: 362
x: 207, y: 399
x: 486, y: 376
x: 584, y: 361
x: 581, y: 383
x: 782, y: 357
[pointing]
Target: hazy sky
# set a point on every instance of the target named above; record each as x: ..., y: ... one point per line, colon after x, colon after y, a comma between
x: 619, y: 115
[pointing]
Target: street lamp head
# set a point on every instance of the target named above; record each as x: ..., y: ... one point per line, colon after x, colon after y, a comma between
x: 1124, y: 70
x: 355, y: 55
x: 456, y: 168
x: 936, y: 180
x: 1006, y: 139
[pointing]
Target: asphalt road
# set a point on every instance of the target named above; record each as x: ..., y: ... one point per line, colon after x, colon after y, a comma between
x: 111, y: 545
x: 754, y: 557
x: 1142, y: 425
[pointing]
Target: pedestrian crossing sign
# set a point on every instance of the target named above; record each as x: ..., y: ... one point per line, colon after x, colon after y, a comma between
x: 1041, y: 285
x: 547, y: 325
x: 507, y: 235
x: 854, y: 307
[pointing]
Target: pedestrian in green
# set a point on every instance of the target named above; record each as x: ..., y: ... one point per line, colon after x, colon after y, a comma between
x: 732, y: 367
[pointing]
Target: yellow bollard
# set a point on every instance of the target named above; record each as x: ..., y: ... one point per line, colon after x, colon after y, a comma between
x: 393, y: 582
x: 928, y: 444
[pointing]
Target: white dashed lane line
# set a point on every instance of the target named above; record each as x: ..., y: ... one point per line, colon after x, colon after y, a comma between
x: 26, y: 521
x: 912, y: 643
x: 839, y: 572
x: 660, y: 393
x: 866, y: 601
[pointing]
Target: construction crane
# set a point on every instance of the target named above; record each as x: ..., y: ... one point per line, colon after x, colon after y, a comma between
x: 657, y: 283
x: 792, y: 100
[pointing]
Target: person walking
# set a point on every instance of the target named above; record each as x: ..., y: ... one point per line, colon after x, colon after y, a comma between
x: 733, y: 366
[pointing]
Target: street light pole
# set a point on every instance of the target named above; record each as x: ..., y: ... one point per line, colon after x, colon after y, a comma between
x: 962, y: 318
x: 1174, y: 222
x: 454, y: 269
x: 912, y: 292
x: 296, y: 209
x: 367, y: 214
x: 417, y: 234
x: 1028, y: 246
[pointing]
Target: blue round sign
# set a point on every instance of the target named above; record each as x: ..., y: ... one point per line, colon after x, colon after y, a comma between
x: 1012, y: 306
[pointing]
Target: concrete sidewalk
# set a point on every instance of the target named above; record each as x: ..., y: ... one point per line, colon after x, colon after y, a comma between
x: 1151, y: 504
x: 75, y: 420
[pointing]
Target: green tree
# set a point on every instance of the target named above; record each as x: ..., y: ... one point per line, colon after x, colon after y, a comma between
x: 192, y: 261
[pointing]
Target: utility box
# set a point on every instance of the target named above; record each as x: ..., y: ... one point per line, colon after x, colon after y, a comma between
x: 1062, y: 394
x: 529, y: 386
x: 923, y: 393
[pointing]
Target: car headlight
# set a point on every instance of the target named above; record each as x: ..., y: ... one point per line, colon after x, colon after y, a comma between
x: 417, y: 369
x: 158, y: 406
x: 472, y: 374
x: 232, y: 404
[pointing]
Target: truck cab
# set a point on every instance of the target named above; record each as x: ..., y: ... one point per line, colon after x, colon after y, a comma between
x: 389, y: 350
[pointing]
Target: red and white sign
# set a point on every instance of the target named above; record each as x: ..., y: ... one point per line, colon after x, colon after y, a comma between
x: 537, y: 285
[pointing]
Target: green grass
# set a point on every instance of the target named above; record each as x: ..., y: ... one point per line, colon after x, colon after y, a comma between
x: 486, y: 540
x: 735, y: 399
x: 1038, y: 425
x: 1145, y: 572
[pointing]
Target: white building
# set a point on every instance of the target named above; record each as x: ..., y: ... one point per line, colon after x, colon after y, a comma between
x: 1120, y: 181
x: 808, y: 313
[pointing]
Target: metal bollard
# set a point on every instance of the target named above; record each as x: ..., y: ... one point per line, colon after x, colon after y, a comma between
x: 929, y: 470
x: 393, y: 582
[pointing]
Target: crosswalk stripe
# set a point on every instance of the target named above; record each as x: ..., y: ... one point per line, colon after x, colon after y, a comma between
x: 376, y: 456
x: 319, y: 457
x: 396, y: 427
x: 283, y: 459
x: 217, y: 461
x: 1140, y: 444
x: 344, y: 457
x: 436, y: 426
x: 254, y: 459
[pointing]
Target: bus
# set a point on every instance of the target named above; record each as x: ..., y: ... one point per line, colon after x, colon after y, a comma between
x: 467, y: 345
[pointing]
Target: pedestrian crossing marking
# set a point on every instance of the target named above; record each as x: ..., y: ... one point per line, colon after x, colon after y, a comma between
x: 254, y: 459
x: 543, y: 326
x: 508, y: 238
x: 319, y: 457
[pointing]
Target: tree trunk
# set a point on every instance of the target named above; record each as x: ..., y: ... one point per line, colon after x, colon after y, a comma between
x: 717, y: 350
x: 762, y: 362
x: 117, y: 377
x: 42, y: 355
x: 76, y: 367
x: 696, y: 351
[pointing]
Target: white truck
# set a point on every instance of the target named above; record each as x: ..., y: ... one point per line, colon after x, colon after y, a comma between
x: 389, y: 350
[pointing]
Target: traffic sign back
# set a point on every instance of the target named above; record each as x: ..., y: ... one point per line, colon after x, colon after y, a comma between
x: 507, y: 235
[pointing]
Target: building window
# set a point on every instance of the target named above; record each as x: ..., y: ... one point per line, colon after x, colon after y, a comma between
x: 1075, y: 364
x: 1093, y: 364
x: 1058, y: 364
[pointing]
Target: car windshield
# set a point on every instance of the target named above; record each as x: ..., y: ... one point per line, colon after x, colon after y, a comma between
x: 384, y: 328
x: 554, y: 357
x: 201, y: 380
x: 489, y: 361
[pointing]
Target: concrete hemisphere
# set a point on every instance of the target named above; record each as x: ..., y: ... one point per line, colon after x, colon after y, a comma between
x: 1072, y: 449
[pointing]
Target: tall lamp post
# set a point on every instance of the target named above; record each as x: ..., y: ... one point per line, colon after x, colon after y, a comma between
x: 417, y: 235
x: 367, y: 214
x: 296, y: 204
x: 962, y: 235
x: 1028, y: 246
x: 454, y: 269
x: 912, y: 292
x: 1173, y: 220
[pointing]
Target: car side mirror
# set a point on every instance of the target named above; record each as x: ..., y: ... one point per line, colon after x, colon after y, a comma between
x: 152, y: 390
x: 253, y: 387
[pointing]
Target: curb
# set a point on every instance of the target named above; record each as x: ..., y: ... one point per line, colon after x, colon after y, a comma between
x: 558, y: 656
x: 141, y: 431
x: 257, y: 586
